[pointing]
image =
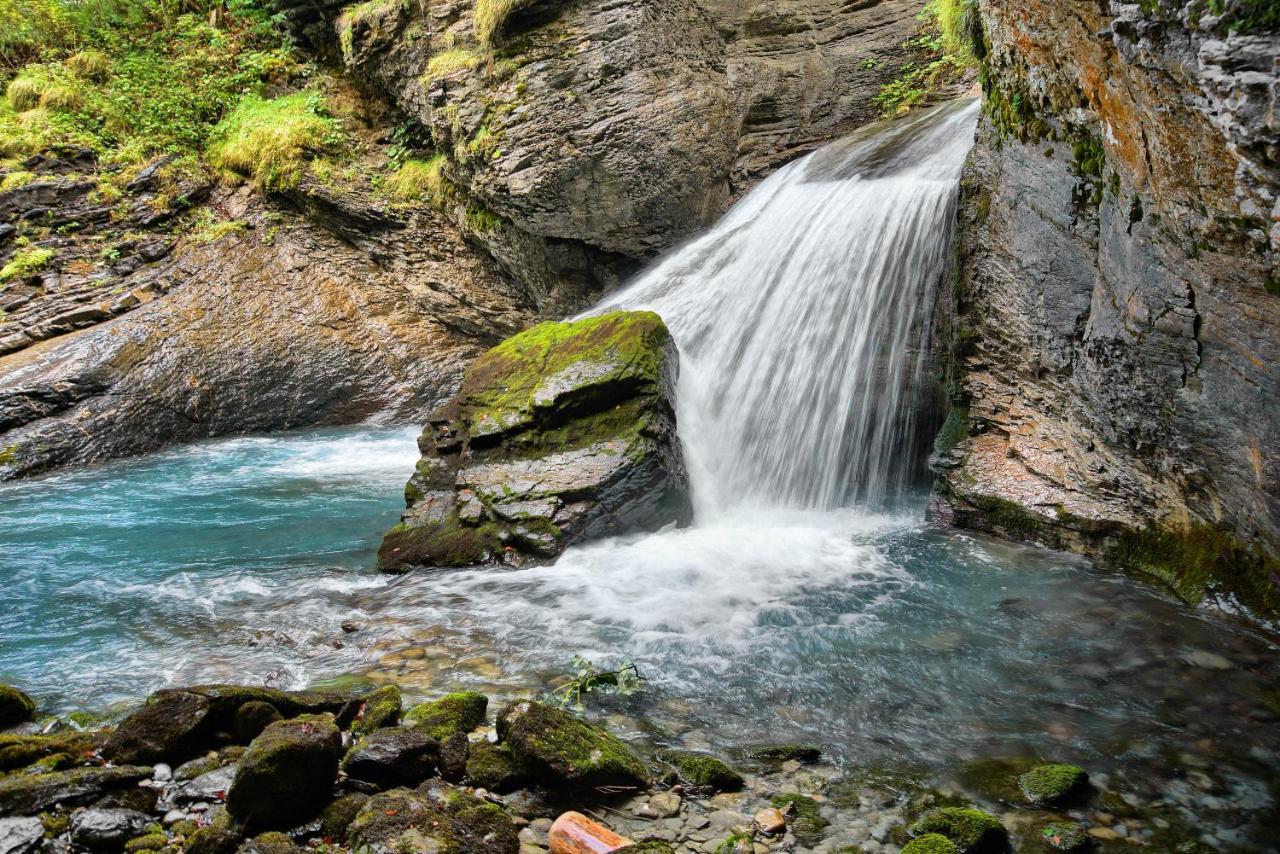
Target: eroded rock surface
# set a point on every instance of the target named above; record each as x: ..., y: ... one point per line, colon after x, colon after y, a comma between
x: 1117, y: 384
x: 560, y: 434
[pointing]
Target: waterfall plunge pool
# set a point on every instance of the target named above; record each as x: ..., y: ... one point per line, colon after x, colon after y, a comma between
x: 882, y: 640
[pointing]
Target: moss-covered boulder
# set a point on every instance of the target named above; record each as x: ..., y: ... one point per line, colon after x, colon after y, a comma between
x: 702, y: 770
x: 558, y: 749
x: 434, y: 817
x: 32, y: 794
x: 20, y: 751
x: 287, y: 774
x: 493, y: 767
x: 804, y: 817
x: 253, y: 717
x: 972, y: 831
x: 930, y: 843
x: 337, y: 816
x: 1065, y: 836
x: 393, y: 756
x: 15, y: 706
x: 563, y: 433
x: 1053, y: 785
x: 461, y: 711
x: 270, y: 843
x: 381, y: 708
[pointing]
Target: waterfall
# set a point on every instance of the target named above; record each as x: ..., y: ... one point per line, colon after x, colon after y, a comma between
x: 803, y: 318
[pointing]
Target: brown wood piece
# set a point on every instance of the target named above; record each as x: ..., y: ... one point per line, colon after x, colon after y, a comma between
x: 574, y: 833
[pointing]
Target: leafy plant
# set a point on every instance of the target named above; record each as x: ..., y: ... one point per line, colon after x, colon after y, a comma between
x: 587, y: 678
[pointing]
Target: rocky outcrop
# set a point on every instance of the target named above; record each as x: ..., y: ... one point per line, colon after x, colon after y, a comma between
x: 560, y: 434
x: 1114, y: 333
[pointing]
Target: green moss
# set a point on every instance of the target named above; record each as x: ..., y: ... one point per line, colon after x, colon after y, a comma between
x: 14, y: 180
x: 25, y: 264
x: 490, y: 15
x: 1054, y: 784
x: 381, y: 709
x: 435, y: 817
x: 55, y: 824
x: 699, y: 769
x: 806, y: 821
x: 15, y: 706
x: 1066, y: 837
x: 931, y: 843
x: 973, y: 831
x: 776, y: 754
x: 450, y: 62
x: 493, y: 767
x: 448, y: 543
x: 559, y: 749
x: 955, y: 429
x: 337, y: 816
x: 269, y: 141
x: 460, y: 712
x: 147, y: 842
x: 1007, y: 518
x: 286, y: 775
x: 420, y: 180
x: 481, y: 221
x: 8, y: 455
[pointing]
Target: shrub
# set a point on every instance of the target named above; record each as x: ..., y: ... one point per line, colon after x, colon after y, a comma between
x: 24, y: 92
x: 269, y: 141
x: 90, y: 64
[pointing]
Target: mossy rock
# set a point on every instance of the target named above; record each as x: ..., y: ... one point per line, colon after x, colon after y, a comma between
x: 1066, y: 837
x: 972, y: 831
x: 147, y: 842
x: 221, y: 836
x: 393, y: 756
x: 931, y: 843
x: 493, y: 767
x: 252, y: 718
x: 776, y: 754
x: 453, y: 713
x: 31, y: 794
x: 381, y: 709
x: 653, y: 847
x: 287, y: 774
x: 1053, y: 785
x: 270, y: 843
x: 435, y: 817
x: 15, y: 707
x: 21, y: 751
x: 805, y: 819
x: 702, y: 770
x: 337, y: 816
x: 557, y: 748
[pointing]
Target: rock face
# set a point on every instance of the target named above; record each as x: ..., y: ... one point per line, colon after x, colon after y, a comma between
x: 560, y: 434
x: 1114, y: 332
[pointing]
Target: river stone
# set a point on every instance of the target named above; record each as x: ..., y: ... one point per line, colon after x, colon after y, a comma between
x: 394, y: 756
x: 381, y: 708
x: 454, y: 754
x: 435, y: 817
x: 20, y: 835
x: 931, y: 843
x: 559, y: 749
x: 702, y: 770
x: 1054, y: 784
x: 29, y: 794
x: 107, y: 828
x: 561, y: 434
x: 270, y: 843
x: 972, y: 831
x: 287, y: 774
x: 15, y: 706
x: 252, y: 718
x: 493, y: 767
x: 19, y: 751
x: 460, y: 712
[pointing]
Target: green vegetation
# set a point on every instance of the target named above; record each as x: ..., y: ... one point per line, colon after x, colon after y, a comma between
x: 449, y: 62
x: 1066, y: 837
x: 356, y: 15
x: 970, y: 830
x: 587, y: 678
x: 452, y: 713
x: 699, y: 769
x: 25, y: 264
x: 1249, y: 16
x: 948, y: 44
x: 931, y: 843
x: 269, y: 141
x: 419, y: 180
x: 381, y: 708
x: 806, y: 821
x: 1053, y: 784
x: 491, y: 15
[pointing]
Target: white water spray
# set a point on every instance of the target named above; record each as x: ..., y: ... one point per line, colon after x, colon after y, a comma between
x: 803, y: 317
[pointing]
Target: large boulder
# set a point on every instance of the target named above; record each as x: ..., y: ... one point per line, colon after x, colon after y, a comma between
x: 287, y: 775
x: 31, y: 794
x: 459, y: 712
x: 15, y: 706
x: 394, y: 756
x: 107, y: 829
x: 563, y: 433
x: 176, y: 724
x: 435, y: 817
x: 558, y: 749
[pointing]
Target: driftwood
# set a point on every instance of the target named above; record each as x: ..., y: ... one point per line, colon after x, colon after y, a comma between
x: 574, y: 833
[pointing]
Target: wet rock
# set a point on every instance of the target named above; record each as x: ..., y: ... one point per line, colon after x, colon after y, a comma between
x: 436, y: 816
x: 557, y: 748
x: 381, y: 708
x: 270, y: 843
x: 930, y: 843
x: 20, y: 751
x: 776, y: 754
x: 107, y: 829
x: 460, y: 712
x: 1054, y: 784
x: 252, y: 718
x: 15, y: 706
x: 287, y: 774
x: 394, y: 756
x: 20, y: 835
x: 221, y: 836
x: 1066, y: 837
x: 209, y: 762
x: 493, y: 767
x: 770, y: 822
x: 209, y: 786
x: 454, y: 754
x: 561, y: 434
x: 29, y: 794
x: 972, y: 831
x: 337, y: 816
x: 702, y: 770
x: 804, y: 817
x: 147, y: 842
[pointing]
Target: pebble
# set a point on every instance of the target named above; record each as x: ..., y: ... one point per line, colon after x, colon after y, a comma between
x: 1105, y: 834
x: 162, y: 773
x: 770, y: 822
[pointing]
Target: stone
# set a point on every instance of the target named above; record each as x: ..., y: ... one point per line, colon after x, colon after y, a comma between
x: 287, y: 774
x: 252, y: 718
x: 770, y: 821
x: 107, y: 829
x: 15, y: 706
x: 210, y: 786
x: 702, y: 770
x: 338, y: 815
x: 147, y: 842
x: 561, y: 434
x: 436, y: 816
x: 381, y: 708
x: 776, y: 754
x: 805, y: 817
x: 30, y: 794
x: 972, y: 831
x: 558, y: 749
x: 20, y: 835
x: 270, y: 843
x: 20, y: 751
x: 1054, y: 784
x: 930, y: 843
x: 664, y: 804
x: 460, y: 712
x: 493, y: 767
x: 1066, y: 837
x: 454, y: 754
x: 393, y: 756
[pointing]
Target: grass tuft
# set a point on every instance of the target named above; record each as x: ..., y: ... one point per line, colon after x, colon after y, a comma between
x: 491, y: 15
x: 269, y: 141
x: 25, y: 264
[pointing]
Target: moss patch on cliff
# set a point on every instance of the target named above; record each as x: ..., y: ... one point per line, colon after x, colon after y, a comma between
x: 269, y: 141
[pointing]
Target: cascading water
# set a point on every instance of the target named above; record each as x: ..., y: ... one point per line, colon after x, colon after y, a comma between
x: 802, y: 320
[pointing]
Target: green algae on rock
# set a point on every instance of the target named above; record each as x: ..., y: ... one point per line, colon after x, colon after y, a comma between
x: 1066, y: 837
x: 556, y: 748
x: 563, y: 433
x: 701, y: 769
x: 806, y: 822
x: 493, y: 767
x: 931, y: 843
x: 434, y: 817
x: 776, y: 754
x: 15, y: 706
x: 460, y: 712
x: 381, y: 708
x: 286, y: 776
x: 972, y: 831
x: 1051, y: 785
